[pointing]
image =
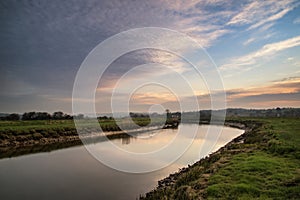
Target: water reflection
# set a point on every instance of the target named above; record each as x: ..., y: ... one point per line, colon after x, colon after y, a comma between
x: 125, y: 140
x: 74, y: 174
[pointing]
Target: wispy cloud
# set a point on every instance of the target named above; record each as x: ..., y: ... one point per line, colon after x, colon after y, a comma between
x: 291, y: 79
x: 297, y: 20
x: 283, y: 92
x: 153, y: 98
x: 261, y: 34
x: 247, y: 13
x: 250, y: 40
x: 257, y: 13
x: 283, y: 86
x: 271, y: 18
x: 266, y: 50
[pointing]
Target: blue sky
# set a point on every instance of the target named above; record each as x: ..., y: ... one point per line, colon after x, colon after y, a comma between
x: 255, y: 45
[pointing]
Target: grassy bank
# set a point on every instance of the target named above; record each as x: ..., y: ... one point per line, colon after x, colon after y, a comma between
x: 24, y: 137
x: 263, y: 163
x: 35, y: 129
x: 24, y: 133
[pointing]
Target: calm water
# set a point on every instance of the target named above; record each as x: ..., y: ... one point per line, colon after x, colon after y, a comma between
x: 74, y: 174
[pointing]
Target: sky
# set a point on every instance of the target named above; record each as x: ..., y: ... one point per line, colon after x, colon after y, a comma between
x: 255, y: 46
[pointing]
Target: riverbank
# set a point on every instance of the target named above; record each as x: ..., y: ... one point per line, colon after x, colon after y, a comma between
x: 261, y: 163
x: 17, y: 145
x: 25, y: 137
x: 32, y: 132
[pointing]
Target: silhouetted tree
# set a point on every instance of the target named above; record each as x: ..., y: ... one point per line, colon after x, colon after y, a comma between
x: 42, y: 116
x: 58, y: 115
x: 103, y: 118
x: 29, y: 116
x: 79, y: 116
x: 66, y: 116
x: 13, y: 117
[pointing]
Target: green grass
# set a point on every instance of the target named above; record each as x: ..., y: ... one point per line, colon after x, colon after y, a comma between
x: 265, y: 166
x: 272, y: 170
x: 256, y: 175
x: 34, y: 124
x: 127, y: 124
x: 36, y: 129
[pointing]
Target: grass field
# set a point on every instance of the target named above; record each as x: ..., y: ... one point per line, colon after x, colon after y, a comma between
x: 265, y: 166
x: 37, y: 129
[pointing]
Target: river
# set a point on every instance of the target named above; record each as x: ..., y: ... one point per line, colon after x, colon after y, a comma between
x: 73, y: 173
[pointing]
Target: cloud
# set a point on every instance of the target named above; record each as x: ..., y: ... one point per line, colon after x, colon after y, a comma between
x: 260, y: 12
x: 44, y: 43
x: 266, y: 50
x: 247, y: 14
x: 199, y: 18
x: 290, y: 79
x: 32, y: 102
x: 283, y: 92
x: 271, y: 18
x: 280, y: 86
x: 207, y: 39
x: 268, y: 100
x: 250, y: 40
x: 260, y: 35
x: 297, y: 20
x: 265, y: 27
x: 153, y: 97
x: 59, y: 34
x: 145, y: 64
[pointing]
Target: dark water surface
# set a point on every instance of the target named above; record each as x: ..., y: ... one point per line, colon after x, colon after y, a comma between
x: 74, y: 174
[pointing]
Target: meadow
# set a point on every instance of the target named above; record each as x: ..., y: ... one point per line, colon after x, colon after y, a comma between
x: 262, y: 164
x: 37, y: 129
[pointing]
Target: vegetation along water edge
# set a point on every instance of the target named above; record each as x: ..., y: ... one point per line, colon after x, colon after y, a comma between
x: 262, y: 163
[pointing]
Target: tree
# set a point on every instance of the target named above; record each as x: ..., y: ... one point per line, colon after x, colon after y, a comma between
x: 103, y: 118
x: 13, y: 117
x: 58, y: 115
x: 79, y: 116
x: 43, y: 116
x: 66, y: 116
x: 29, y: 116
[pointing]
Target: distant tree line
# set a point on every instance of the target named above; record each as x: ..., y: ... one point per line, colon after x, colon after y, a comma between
x: 168, y: 114
x: 105, y: 118
x: 274, y: 112
x: 203, y: 115
x: 59, y: 115
x: 138, y: 115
